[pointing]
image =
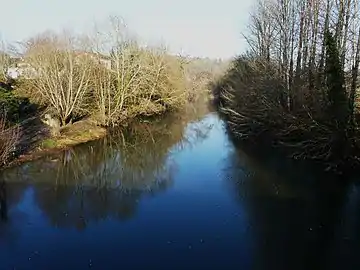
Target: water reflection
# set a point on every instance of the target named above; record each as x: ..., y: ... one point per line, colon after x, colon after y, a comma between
x: 3, y: 202
x: 165, y: 196
x: 103, y: 179
x: 296, y: 216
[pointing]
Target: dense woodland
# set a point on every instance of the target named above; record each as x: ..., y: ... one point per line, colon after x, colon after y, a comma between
x: 296, y: 87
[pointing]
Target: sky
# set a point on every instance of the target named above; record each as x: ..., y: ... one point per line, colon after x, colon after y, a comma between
x: 201, y: 28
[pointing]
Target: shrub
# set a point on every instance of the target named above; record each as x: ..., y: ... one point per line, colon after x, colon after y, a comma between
x: 9, y: 139
x: 251, y: 99
x: 140, y: 82
x: 15, y: 107
x: 121, y: 82
x: 58, y: 75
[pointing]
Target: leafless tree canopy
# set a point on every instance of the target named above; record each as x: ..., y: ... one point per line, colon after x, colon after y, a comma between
x: 299, y: 80
x: 5, y: 60
x: 106, y: 74
x: 136, y: 81
x: 60, y: 74
x: 9, y: 139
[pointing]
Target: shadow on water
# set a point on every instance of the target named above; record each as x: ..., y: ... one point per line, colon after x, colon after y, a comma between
x: 299, y: 218
x: 3, y: 202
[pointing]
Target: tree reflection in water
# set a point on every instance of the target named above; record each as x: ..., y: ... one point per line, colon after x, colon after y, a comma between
x: 107, y: 178
x: 295, y: 216
x: 3, y: 202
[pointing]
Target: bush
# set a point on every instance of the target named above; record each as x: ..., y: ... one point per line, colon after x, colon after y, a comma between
x: 251, y: 96
x: 9, y: 139
x: 141, y: 82
x: 15, y: 108
x: 251, y: 99
x: 112, y: 86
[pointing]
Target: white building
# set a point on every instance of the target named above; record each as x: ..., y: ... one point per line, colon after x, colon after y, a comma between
x: 23, y: 70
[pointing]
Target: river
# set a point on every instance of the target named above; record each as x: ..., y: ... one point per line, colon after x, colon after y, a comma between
x: 174, y: 195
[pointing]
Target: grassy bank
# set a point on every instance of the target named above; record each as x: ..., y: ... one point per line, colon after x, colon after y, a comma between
x: 72, y: 135
x: 296, y: 88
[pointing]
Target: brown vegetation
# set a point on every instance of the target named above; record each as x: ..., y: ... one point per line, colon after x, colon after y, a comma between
x: 105, y: 78
x: 108, y: 77
x: 9, y: 139
x: 296, y: 87
x: 61, y: 77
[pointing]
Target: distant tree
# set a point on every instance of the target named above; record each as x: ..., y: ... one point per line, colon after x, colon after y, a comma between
x: 5, y: 61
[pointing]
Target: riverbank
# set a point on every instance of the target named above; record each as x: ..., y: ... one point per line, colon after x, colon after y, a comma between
x: 256, y: 116
x: 65, y: 81
x: 312, y: 150
x: 319, y: 124
x: 298, y: 95
x: 88, y: 130
x: 35, y: 140
x: 72, y: 135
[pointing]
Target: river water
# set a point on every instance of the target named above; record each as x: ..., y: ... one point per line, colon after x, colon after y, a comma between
x: 174, y: 195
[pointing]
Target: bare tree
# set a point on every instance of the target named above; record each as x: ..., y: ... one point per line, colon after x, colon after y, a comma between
x: 5, y: 60
x: 355, y: 75
x: 313, y: 65
x: 60, y: 74
x: 138, y: 80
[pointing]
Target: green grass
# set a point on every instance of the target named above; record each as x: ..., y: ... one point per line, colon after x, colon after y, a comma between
x: 49, y: 143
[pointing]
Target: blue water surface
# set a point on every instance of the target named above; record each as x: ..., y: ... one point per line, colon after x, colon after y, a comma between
x: 208, y: 207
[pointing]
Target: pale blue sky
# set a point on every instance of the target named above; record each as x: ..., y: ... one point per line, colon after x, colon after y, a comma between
x: 210, y: 28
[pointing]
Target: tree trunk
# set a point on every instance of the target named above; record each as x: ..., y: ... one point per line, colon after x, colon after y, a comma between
x: 354, y: 80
